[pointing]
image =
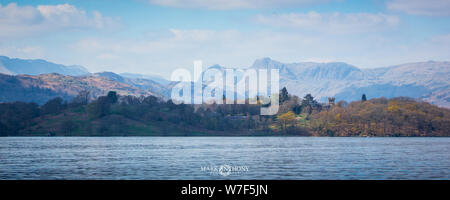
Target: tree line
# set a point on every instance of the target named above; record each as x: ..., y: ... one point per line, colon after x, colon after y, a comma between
x: 115, y: 114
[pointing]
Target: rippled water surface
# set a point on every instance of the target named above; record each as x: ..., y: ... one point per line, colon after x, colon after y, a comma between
x: 203, y: 157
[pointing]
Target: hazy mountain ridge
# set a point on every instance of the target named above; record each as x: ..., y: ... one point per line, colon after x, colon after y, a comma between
x: 13, y: 66
x: 39, y: 81
x: 44, y: 87
x: 159, y: 79
x: 311, y: 70
x: 142, y: 83
x: 422, y: 80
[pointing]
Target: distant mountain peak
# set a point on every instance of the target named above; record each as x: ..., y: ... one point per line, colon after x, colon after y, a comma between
x: 111, y: 75
x: 423, y: 80
x: 265, y: 60
x: 107, y: 73
x: 157, y: 78
x: 216, y: 66
x: 267, y: 63
x: 39, y: 66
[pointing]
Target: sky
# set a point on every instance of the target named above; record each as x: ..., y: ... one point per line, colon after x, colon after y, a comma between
x: 159, y: 36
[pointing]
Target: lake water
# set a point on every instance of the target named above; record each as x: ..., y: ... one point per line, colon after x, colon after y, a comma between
x: 224, y: 158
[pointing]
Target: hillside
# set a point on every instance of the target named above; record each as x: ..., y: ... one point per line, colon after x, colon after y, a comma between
x: 35, y: 67
x: 424, y: 80
x: 143, y: 83
x: 156, y: 78
x: 41, y: 88
x: 116, y: 115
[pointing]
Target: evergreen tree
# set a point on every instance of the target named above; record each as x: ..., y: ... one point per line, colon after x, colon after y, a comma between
x: 53, y: 106
x: 284, y: 95
x: 112, y: 97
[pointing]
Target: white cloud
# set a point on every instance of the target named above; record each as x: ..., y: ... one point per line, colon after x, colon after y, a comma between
x: 421, y: 7
x: 28, y: 20
x: 23, y: 51
x: 443, y: 40
x: 233, y: 4
x: 180, y: 48
x: 177, y: 39
x: 105, y: 56
x: 331, y: 23
x: 234, y: 48
x: 228, y: 47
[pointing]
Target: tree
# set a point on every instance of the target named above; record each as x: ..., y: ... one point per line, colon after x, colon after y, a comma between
x: 342, y: 104
x: 112, y: 97
x: 309, y: 104
x: 100, y: 107
x: 284, y: 95
x: 363, y: 98
x: 151, y: 101
x: 285, y: 119
x: 289, y: 105
x: 82, y: 98
x: 53, y: 106
x: 3, y: 129
x: 68, y: 126
x: 16, y: 116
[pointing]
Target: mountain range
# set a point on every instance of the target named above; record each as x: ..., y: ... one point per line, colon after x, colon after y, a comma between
x: 427, y: 81
x: 37, y: 66
x: 40, y: 80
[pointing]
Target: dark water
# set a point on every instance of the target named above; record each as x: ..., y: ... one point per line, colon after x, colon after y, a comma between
x: 248, y: 157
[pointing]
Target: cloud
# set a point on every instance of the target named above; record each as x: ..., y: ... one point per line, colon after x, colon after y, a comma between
x: 22, y: 51
x: 106, y: 56
x: 177, y: 39
x: 180, y: 47
x: 236, y: 48
x: 231, y: 48
x: 331, y: 23
x: 28, y: 20
x: 421, y: 7
x: 441, y: 39
x: 233, y: 4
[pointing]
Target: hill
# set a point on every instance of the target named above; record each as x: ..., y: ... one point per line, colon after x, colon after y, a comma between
x: 41, y: 88
x: 117, y: 115
x: 13, y: 66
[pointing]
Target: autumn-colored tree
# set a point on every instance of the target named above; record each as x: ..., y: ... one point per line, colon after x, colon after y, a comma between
x: 285, y: 119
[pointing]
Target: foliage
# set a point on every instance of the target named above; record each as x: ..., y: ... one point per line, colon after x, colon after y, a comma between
x: 286, y: 119
x: 284, y: 95
x: 15, y: 116
x: 129, y: 115
x: 53, y: 106
x: 383, y: 117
